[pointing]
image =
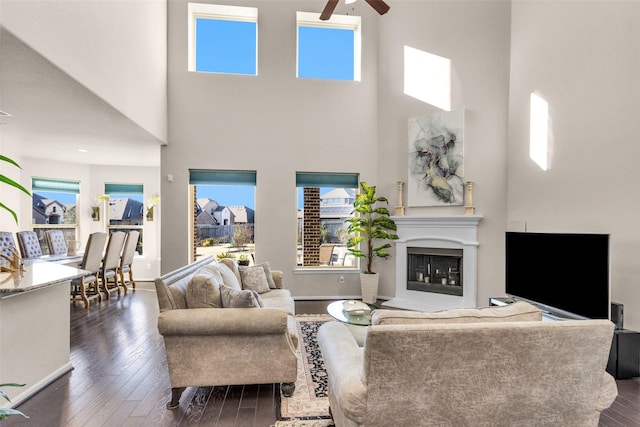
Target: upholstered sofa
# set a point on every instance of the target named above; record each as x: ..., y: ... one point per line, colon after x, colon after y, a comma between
x: 223, y: 325
x: 469, y: 367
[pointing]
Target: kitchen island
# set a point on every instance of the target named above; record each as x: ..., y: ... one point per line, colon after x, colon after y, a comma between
x: 34, y: 327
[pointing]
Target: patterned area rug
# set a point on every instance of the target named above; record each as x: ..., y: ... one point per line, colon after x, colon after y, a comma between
x: 309, y: 405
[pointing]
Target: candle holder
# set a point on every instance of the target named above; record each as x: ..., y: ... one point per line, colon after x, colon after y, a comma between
x: 400, y: 208
x: 468, y: 206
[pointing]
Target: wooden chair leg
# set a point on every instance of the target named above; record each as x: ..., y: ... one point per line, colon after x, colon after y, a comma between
x: 133, y: 283
x: 105, y: 287
x: 83, y: 294
x: 123, y: 284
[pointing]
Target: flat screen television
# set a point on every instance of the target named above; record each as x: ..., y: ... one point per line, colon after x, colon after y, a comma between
x: 565, y: 274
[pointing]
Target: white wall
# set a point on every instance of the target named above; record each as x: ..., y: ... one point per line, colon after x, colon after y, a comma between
x: 583, y: 58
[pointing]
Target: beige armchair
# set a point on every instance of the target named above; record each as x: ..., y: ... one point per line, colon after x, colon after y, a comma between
x: 471, y: 373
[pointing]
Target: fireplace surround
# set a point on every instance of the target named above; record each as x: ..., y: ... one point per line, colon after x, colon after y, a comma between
x: 436, y: 242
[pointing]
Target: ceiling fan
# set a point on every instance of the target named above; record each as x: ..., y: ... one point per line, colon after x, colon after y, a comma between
x: 380, y: 7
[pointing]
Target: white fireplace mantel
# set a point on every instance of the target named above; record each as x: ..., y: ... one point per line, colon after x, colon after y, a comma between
x: 454, y: 232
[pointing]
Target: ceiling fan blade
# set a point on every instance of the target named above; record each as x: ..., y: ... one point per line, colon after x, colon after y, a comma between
x: 380, y: 6
x: 328, y: 9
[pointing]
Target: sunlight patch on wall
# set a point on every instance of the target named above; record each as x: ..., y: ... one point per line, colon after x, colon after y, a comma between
x: 427, y: 77
x: 539, y: 131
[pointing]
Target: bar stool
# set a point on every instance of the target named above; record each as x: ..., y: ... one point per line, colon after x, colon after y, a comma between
x: 87, y: 287
x: 55, y: 242
x: 126, y: 260
x: 110, y: 264
x: 29, y: 244
x: 7, y: 245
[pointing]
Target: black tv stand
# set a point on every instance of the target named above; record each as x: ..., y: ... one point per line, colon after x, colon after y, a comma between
x: 624, y: 357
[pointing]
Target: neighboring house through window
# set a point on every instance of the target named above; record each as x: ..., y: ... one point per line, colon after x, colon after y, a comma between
x: 223, y: 39
x: 224, y: 215
x: 126, y: 209
x: 325, y: 201
x: 54, y: 207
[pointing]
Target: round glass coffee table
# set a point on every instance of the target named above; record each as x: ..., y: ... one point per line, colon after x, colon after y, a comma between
x: 356, y: 320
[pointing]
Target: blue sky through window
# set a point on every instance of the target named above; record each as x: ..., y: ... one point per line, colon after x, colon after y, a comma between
x: 64, y: 198
x: 325, y: 53
x: 226, y: 46
x: 228, y: 195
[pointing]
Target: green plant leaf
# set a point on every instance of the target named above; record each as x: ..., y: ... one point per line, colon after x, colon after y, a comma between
x: 14, y: 184
x: 3, y: 206
x: 8, y: 160
x: 5, y: 412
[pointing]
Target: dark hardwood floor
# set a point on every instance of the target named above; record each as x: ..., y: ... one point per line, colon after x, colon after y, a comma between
x: 120, y: 379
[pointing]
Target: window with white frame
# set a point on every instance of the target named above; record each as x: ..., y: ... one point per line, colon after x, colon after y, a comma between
x: 54, y: 207
x: 325, y: 201
x: 328, y: 49
x: 126, y: 209
x: 223, y: 39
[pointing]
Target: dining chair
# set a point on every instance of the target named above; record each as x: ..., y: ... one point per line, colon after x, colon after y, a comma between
x: 126, y: 260
x: 7, y: 245
x: 55, y: 242
x: 29, y: 244
x: 111, y: 263
x: 86, y: 288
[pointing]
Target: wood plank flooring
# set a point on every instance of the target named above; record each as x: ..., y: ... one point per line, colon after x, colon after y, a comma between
x: 120, y: 379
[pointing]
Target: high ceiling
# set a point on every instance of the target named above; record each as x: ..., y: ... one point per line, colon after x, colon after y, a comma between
x: 53, y: 116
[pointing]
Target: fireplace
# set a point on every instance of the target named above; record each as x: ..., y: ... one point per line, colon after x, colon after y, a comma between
x: 435, y: 270
x: 436, y: 262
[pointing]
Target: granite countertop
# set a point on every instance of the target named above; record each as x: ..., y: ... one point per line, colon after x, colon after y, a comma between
x: 37, y: 274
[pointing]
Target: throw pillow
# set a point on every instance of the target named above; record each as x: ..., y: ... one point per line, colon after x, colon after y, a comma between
x: 232, y: 298
x: 228, y: 277
x: 203, y: 291
x: 233, y: 266
x: 267, y: 271
x: 254, y: 278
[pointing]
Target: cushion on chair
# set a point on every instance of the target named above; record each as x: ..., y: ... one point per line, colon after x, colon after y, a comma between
x: 516, y: 312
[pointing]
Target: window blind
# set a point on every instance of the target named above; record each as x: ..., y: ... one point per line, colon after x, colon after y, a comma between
x: 221, y: 177
x: 57, y: 185
x: 323, y: 179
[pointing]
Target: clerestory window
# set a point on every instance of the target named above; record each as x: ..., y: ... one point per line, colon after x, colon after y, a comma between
x: 223, y: 39
x: 328, y: 49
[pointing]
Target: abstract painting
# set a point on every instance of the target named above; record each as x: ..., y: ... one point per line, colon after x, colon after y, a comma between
x: 436, y: 160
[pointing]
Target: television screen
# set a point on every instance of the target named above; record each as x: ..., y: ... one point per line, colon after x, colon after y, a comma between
x: 567, y: 272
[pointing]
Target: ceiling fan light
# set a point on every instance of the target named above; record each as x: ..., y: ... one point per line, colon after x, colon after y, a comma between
x: 349, y: 1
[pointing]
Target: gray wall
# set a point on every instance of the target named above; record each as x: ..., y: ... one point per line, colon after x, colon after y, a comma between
x: 272, y: 123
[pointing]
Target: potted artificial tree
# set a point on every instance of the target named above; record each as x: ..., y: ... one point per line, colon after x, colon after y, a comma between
x: 371, y: 223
